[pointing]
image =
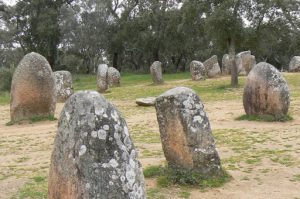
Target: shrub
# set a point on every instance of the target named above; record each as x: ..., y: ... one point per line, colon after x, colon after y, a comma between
x: 6, y: 75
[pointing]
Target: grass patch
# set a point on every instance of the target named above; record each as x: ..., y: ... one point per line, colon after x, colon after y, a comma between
x: 167, y: 176
x: 37, y: 188
x: 154, y: 193
x: 266, y: 118
x: 33, y: 120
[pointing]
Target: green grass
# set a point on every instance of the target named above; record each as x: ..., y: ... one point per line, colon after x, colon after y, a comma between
x: 167, y: 176
x: 33, y: 120
x: 266, y: 118
x: 36, y: 188
x: 4, y: 97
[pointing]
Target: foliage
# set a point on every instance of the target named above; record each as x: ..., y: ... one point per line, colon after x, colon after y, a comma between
x: 6, y: 75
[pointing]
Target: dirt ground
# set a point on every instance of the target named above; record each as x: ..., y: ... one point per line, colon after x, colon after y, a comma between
x: 263, y: 158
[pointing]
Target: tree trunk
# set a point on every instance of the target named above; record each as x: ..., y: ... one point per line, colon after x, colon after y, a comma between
x: 115, y: 61
x: 234, y: 70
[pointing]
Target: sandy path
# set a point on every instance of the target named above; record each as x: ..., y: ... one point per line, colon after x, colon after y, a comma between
x: 25, y: 151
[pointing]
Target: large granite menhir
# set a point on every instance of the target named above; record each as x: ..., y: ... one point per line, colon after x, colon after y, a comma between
x: 266, y: 92
x: 197, y: 70
x: 212, y: 67
x: 185, y: 132
x: 33, y: 89
x: 102, y: 84
x: 156, y: 73
x: 93, y: 154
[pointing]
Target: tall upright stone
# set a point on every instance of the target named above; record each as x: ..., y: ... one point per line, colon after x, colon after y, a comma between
x: 266, y: 92
x: 245, y: 62
x: 226, y: 65
x: 197, y: 70
x: 156, y: 73
x: 102, y: 84
x: 185, y: 132
x: 32, y: 89
x: 212, y: 67
x: 113, y: 77
x: 294, y: 65
x: 93, y: 154
x: 63, y: 85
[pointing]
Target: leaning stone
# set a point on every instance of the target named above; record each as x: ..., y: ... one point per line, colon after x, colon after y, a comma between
x: 245, y: 62
x: 197, y: 70
x: 113, y: 77
x: 102, y: 84
x: 212, y: 67
x: 294, y: 65
x: 226, y: 65
x: 156, y: 72
x: 93, y: 155
x: 32, y: 89
x: 186, y: 133
x: 149, y: 101
x: 64, y: 85
x: 266, y: 92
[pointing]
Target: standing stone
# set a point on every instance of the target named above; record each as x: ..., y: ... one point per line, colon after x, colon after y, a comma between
x: 102, y: 84
x: 294, y: 65
x: 266, y: 92
x: 245, y: 62
x: 156, y: 73
x: 197, y: 70
x: 212, y: 67
x: 93, y: 154
x: 185, y: 132
x: 64, y: 85
x: 32, y: 89
x: 113, y: 77
x: 226, y: 65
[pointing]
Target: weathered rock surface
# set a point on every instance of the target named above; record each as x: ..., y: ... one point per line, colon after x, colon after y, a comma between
x: 294, y: 65
x: 266, y: 92
x: 226, y: 65
x: 197, y: 70
x: 148, y: 101
x: 245, y: 62
x: 93, y: 154
x: 32, y: 89
x: 156, y: 73
x: 63, y: 85
x: 212, y: 67
x: 185, y: 132
x: 102, y: 84
x: 113, y: 77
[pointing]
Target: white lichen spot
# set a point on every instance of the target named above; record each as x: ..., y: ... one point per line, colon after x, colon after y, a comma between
x: 132, y: 163
x: 94, y: 134
x: 105, y: 165
x: 82, y: 150
x: 113, y: 163
x: 85, y: 134
x: 198, y: 118
x: 67, y: 116
x: 105, y: 115
x: 122, y: 178
x: 187, y: 104
x: 114, y: 177
x: 202, y: 113
x: 126, y: 132
x: 114, y: 115
x: 87, y: 186
x: 106, y: 127
x: 98, y: 110
x: 110, y: 183
x: 110, y: 139
x: 130, y: 175
x: 102, y: 134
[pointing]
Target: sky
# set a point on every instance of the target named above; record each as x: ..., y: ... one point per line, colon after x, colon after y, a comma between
x: 10, y: 2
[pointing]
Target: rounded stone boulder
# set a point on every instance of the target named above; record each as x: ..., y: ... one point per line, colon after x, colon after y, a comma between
x: 226, y: 65
x: 197, y: 70
x: 156, y: 73
x: 64, y: 85
x: 212, y: 67
x: 266, y: 92
x: 93, y: 155
x: 185, y: 132
x: 245, y: 62
x: 294, y: 65
x: 32, y: 89
x: 102, y: 84
x: 113, y: 77
x: 148, y: 101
